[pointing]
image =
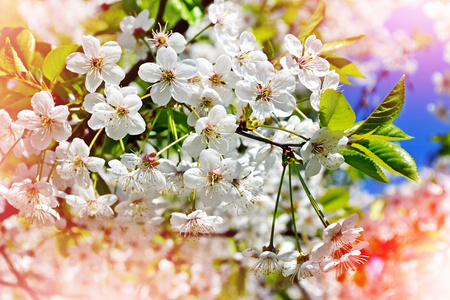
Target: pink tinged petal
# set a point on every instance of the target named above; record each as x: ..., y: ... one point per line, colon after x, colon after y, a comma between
x: 166, y: 58
x: 331, y: 231
x: 40, y: 140
x: 28, y: 119
x: 150, y: 72
x: 91, y: 46
x: 205, y: 67
x: 350, y: 222
x: 223, y: 65
x: 247, y: 41
x: 83, y: 179
x: 111, y: 52
x: 161, y: 93
x: 181, y: 91
x: 75, y: 201
x: 193, y: 145
x: 62, y: 131
x: 91, y: 99
x: 60, y: 113
x: 107, y: 200
x: 330, y: 265
x: 95, y: 164
x: 78, y: 63
x: 313, y: 167
x: 177, y: 42
x: 42, y: 103
x: 313, y: 46
x: 112, y: 74
x: 93, y: 80
x: 186, y: 68
x: 293, y: 45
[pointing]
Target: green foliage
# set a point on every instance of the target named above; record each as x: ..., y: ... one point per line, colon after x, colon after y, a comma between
x: 189, y: 10
x: 386, y: 112
x: 363, y: 163
x: 444, y: 140
x: 314, y: 21
x: 55, y: 61
x: 335, y: 112
x: 335, y: 45
x: 390, y: 156
x: 389, y: 132
x: 334, y: 199
x: 343, y: 67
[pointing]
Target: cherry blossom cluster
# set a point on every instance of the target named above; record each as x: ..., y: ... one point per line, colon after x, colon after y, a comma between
x: 225, y: 101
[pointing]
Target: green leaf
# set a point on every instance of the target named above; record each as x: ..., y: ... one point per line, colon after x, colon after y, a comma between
x: 387, y: 111
x: 26, y: 46
x: 268, y: 49
x: 391, y: 157
x: 189, y: 10
x: 334, y: 199
x: 331, y: 46
x: 131, y: 7
x: 55, y: 61
x: 363, y: 163
x: 343, y: 64
x: 335, y: 112
x: 342, y: 77
x: 314, y: 21
x: 389, y: 132
x: 12, y: 62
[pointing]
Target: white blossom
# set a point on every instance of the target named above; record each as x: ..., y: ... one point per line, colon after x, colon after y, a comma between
x: 89, y: 204
x: 118, y: 113
x: 169, y: 76
x: 99, y: 62
x: 46, y: 121
x: 324, y: 147
x: 194, y: 224
x: 75, y: 163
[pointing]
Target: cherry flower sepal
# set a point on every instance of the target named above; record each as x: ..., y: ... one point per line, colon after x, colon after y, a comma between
x: 195, y: 223
x: 99, y: 62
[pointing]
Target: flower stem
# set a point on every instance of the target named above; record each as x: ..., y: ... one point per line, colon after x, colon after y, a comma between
x: 122, y: 145
x: 171, y: 144
x: 313, y: 201
x: 276, y: 208
x: 283, y: 129
x: 95, y: 138
x: 292, y: 211
x: 198, y: 34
